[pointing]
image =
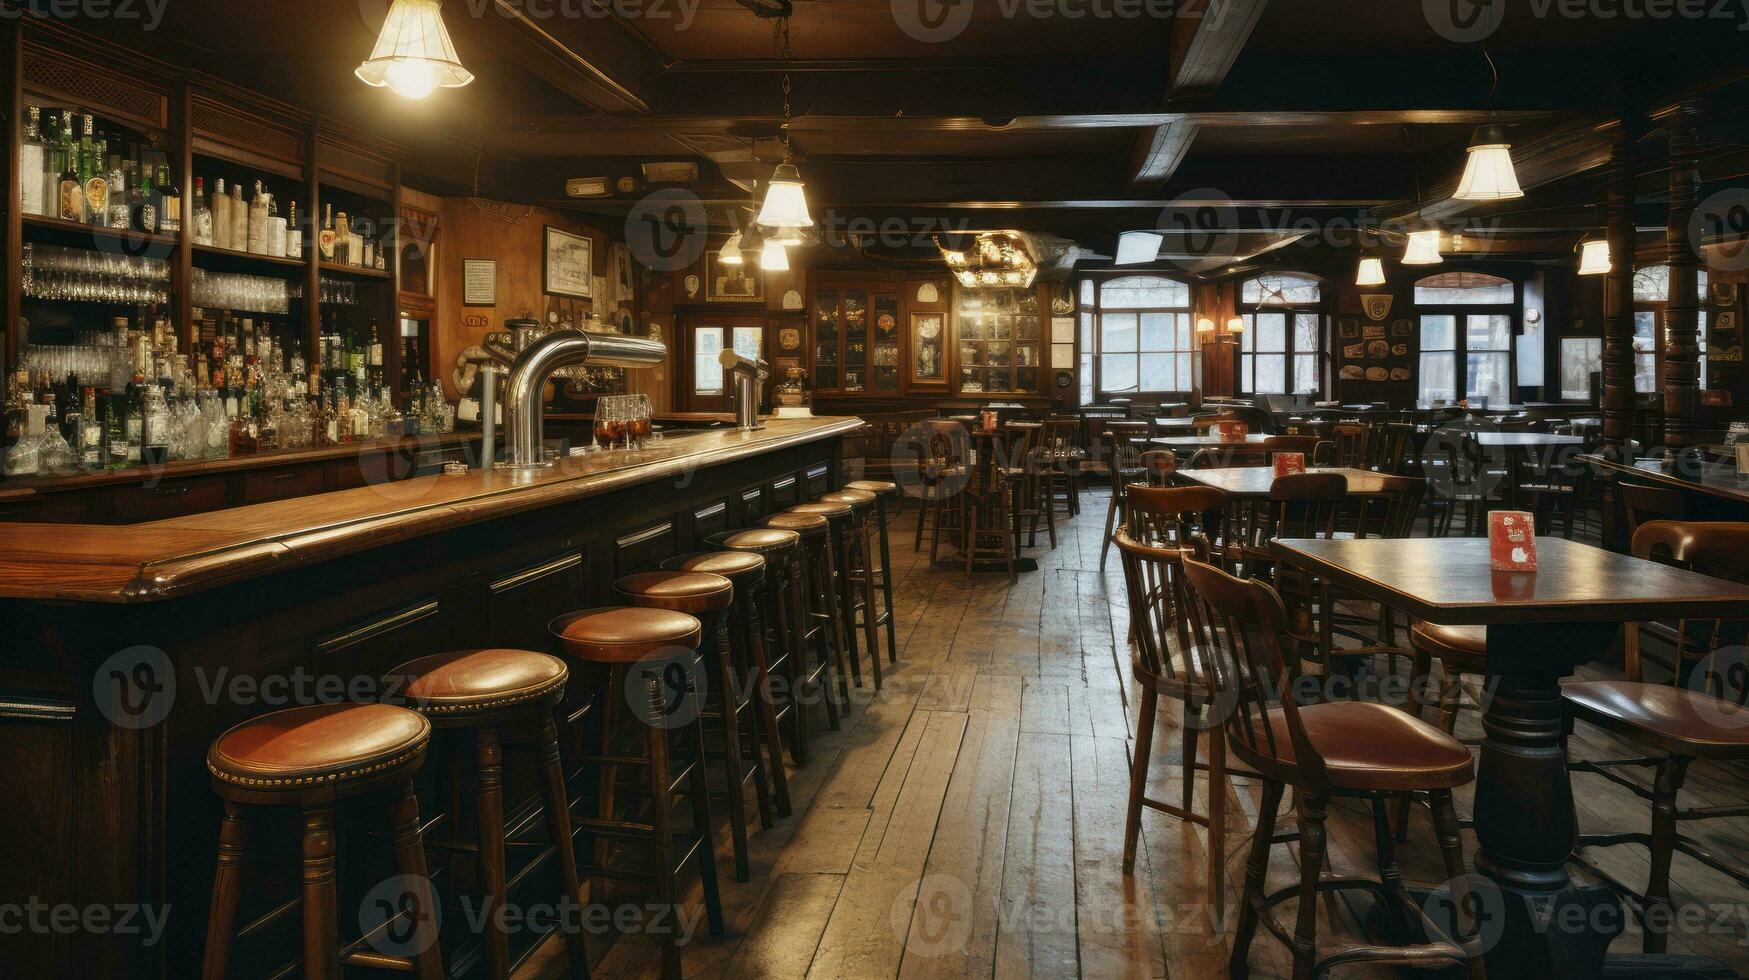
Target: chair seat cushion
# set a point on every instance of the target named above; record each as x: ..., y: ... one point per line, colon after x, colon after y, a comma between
x: 318, y: 744
x: 464, y: 682
x: 1464, y: 646
x: 687, y: 592
x: 624, y: 634
x: 1372, y: 747
x: 1676, y: 719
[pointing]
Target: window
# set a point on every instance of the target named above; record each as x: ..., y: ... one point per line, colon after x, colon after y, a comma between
x: 1580, y: 356
x: 1282, y: 345
x: 1466, y: 352
x: 707, y: 344
x: 1143, y: 331
x: 1651, y: 293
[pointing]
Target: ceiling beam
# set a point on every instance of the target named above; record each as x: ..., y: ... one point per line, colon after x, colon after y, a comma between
x: 1218, y: 30
x: 601, y: 67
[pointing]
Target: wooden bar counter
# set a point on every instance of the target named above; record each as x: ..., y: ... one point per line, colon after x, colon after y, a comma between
x: 129, y: 648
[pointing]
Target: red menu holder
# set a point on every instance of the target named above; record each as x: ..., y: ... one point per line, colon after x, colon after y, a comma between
x: 1287, y: 464
x: 1232, y: 431
x: 1512, y: 541
x: 987, y: 421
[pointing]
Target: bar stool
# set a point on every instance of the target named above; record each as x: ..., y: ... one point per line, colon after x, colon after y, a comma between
x: 746, y: 570
x: 708, y: 597
x: 860, y: 548
x: 640, y: 645
x: 312, y: 758
x: 779, y: 622
x: 485, y: 692
x: 884, y: 491
x: 813, y: 621
x: 837, y: 583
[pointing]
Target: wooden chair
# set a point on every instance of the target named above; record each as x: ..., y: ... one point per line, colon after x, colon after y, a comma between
x: 944, y: 446
x: 1698, y: 713
x: 1158, y: 465
x: 1353, y: 749
x: 1061, y: 446
x: 1128, y: 439
x: 1393, y: 446
x: 987, y: 517
x: 1225, y: 457
x: 1292, y: 444
x: 1349, y: 446
x: 1557, y: 483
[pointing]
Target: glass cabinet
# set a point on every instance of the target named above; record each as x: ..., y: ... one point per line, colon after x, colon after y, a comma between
x: 856, y: 339
x: 998, y: 341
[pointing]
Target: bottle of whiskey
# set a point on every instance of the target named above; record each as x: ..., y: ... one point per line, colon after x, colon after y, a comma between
x: 91, y: 171
x: 116, y: 188
x: 145, y: 205
x: 203, y: 215
x: 294, y: 235
x: 342, y: 240
x: 325, y: 238
x: 169, y: 202
x: 221, y: 216
x: 32, y: 160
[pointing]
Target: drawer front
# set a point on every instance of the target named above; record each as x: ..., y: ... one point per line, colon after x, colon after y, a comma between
x: 643, y: 550
x: 281, y: 482
x: 171, y: 498
x: 708, y: 520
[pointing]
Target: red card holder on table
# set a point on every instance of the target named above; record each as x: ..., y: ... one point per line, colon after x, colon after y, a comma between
x: 1232, y: 431
x: 1512, y: 541
x: 1287, y: 464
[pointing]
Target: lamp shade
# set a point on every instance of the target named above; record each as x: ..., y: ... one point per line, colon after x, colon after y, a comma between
x: 1236, y: 325
x: 1135, y: 247
x: 773, y: 257
x: 413, y: 55
x: 731, y: 251
x: 1371, y: 273
x: 1594, y: 257
x: 1423, y: 248
x: 785, y: 210
x: 1488, y: 173
x: 1205, y: 325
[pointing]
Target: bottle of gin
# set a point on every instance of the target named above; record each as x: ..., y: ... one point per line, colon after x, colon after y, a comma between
x: 32, y: 161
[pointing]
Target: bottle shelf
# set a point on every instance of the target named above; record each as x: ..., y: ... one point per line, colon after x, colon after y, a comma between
x: 44, y: 229
x: 217, y: 259
x: 355, y: 271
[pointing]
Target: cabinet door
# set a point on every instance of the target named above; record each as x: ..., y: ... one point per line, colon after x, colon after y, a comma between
x: 706, y: 521
x: 884, y: 355
x: 378, y: 644
x: 519, y: 605
x: 853, y: 316
x: 643, y: 550
x: 828, y: 339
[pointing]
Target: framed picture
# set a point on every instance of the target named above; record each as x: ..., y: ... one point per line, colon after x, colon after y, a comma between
x: 928, y: 347
x: 479, y: 282
x: 569, y: 265
x: 732, y: 283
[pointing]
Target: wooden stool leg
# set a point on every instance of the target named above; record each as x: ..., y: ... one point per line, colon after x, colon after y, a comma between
x: 887, y: 584
x: 558, y: 813
x: 1419, y: 677
x: 321, y: 899
x: 608, y: 773
x: 766, y: 706
x: 1256, y: 870
x: 738, y: 630
x: 1132, y: 828
x: 221, y: 923
x: 794, y: 625
x: 661, y: 805
x: 845, y: 595
x: 489, y: 807
x: 707, y: 853
x: 827, y: 573
x: 864, y: 583
x: 403, y: 820
x: 1217, y: 854
x: 1445, y: 827
x: 1665, y: 785
x: 735, y: 796
x: 1305, y: 943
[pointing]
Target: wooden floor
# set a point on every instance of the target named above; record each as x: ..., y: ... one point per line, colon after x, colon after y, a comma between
x: 968, y: 821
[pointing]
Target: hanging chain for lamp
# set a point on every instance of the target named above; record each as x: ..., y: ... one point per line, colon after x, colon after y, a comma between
x: 780, y: 39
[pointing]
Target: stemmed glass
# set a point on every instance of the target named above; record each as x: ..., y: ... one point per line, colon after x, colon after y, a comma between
x: 604, y: 424
x: 645, y: 418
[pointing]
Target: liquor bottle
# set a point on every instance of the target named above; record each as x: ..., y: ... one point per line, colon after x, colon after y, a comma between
x: 116, y: 190
x: 276, y: 229
x: 95, y: 178
x: 115, y: 433
x: 325, y: 238
x: 221, y: 215
x: 155, y: 442
x: 203, y: 215
x: 294, y: 235
x: 342, y: 239
x: 90, y: 448
x: 32, y: 159
x: 355, y: 243
x: 136, y: 425
x: 239, y: 218
x: 169, y: 201
x: 24, y: 458
x: 374, y: 359
x: 255, y: 227
x: 71, y: 191
x: 147, y: 217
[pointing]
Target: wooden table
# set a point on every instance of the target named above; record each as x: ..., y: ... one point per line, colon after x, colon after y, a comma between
x: 1720, y: 481
x: 1540, y: 626
x: 1205, y: 441
x: 1525, y: 440
x: 1254, y: 481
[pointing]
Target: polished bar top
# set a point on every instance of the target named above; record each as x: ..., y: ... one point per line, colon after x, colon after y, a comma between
x: 162, y: 559
x: 1448, y: 580
x: 1717, y: 479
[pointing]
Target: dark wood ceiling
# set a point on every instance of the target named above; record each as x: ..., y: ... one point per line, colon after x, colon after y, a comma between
x: 1341, y: 110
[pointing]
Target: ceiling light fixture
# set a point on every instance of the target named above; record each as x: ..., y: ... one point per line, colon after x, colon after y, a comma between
x: 1370, y: 273
x: 1423, y: 248
x: 1488, y: 171
x: 1135, y: 247
x: 1236, y: 325
x: 413, y: 55
x: 784, y: 215
x: 997, y: 258
x: 773, y: 257
x: 1594, y: 257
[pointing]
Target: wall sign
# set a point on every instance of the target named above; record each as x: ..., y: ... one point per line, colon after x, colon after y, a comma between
x: 479, y: 282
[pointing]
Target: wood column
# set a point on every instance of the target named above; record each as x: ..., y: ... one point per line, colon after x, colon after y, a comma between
x: 1681, y: 377
x: 1618, y: 301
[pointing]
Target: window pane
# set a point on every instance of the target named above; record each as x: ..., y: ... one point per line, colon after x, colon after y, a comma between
x: 1438, y: 332
x: 1157, y: 331
x: 1271, y: 375
x: 1248, y: 336
x: 1645, y: 373
x: 1143, y: 292
x: 1306, y: 332
x: 1185, y: 383
x: 747, y: 341
x: 1087, y: 300
x: 707, y: 373
x: 1487, y: 376
x: 1438, y: 375
x: 1579, y: 357
x: 1645, y: 331
x: 1117, y: 372
x: 1183, y: 331
x: 1157, y: 372
x: 1246, y: 363
x: 1305, y: 373
x: 1271, y: 331
x: 1285, y: 289
x: 1484, y: 331
x: 1117, y: 332
x: 1652, y: 284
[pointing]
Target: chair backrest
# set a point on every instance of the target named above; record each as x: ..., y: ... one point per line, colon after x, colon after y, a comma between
x: 1226, y: 457
x: 1203, y: 423
x: 945, y: 446
x: 1238, y: 626
x: 1155, y: 593
x: 1351, y: 440
x: 1719, y: 549
x: 1061, y: 434
x: 1162, y: 515
x: 1292, y: 444
x: 1389, y: 513
x: 1158, y: 465
x: 1641, y: 504
x: 1391, y: 445
x: 1128, y: 438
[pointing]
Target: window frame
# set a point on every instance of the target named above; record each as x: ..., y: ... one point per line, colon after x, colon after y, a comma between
x: 1513, y: 310
x: 1095, y: 357
x: 1290, y: 351
x: 1657, y: 310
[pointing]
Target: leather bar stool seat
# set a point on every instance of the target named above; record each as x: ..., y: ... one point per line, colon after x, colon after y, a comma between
x: 880, y: 488
x: 806, y: 525
x: 623, y: 634
x: 759, y: 541
x: 1671, y: 719
x: 859, y: 500
x: 741, y: 568
x: 696, y: 593
x: 320, y: 745
x: 832, y: 510
x: 465, y: 683
x: 1462, y: 645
